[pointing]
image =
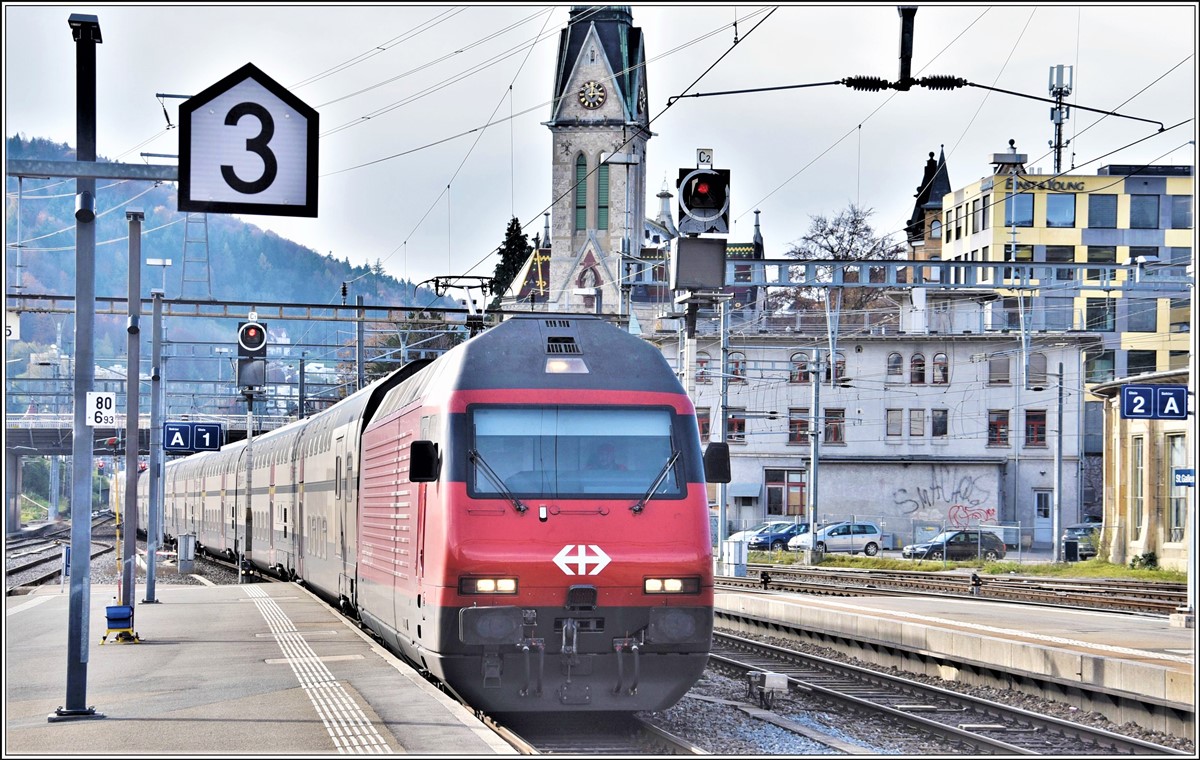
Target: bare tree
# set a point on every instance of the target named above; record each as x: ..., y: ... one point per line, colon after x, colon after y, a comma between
x: 848, y: 236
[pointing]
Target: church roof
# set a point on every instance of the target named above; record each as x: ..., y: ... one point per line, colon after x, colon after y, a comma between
x: 622, y: 44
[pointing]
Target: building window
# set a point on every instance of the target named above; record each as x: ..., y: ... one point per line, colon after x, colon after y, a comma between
x: 895, y: 368
x: 997, y: 427
x: 799, y: 369
x: 1022, y: 254
x: 1137, y: 486
x: 958, y: 220
x: 1018, y: 210
x: 935, y: 229
x: 1142, y: 315
x: 1181, y: 212
x: 983, y: 212
x: 786, y: 492
x: 941, y: 369
x: 1061, y: 254
x: 798, y: 426
x: 702, y: 375
x: 939, y: 421
x: 1102, y: 211
x: 998, y: 370
x: 1148, y: 254
x: 1141, y: 362
x: 1060, y: 210
x: 602, y: 197
x: 1143, y: 212
x: 976, y: 217
x: 737, y: 367
x: 835, y: 426
x: 838, y: 367
x: 1035, y: 427
x: 580, y: 193
x: 916, y: 369
x: 1176, y: 495
x: 895, y: 423
x: 1059, y: 312
x: 1181, y: 320
x: 1037, y: 370
x: 1099, y: 367
x: 1178, y: 359
x: 1101, y: 315
x: 735, y: 426
x: 704, y: 422
x: 916, y: 423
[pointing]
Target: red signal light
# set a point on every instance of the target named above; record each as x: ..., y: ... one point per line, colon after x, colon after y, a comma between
x: 702, y: 188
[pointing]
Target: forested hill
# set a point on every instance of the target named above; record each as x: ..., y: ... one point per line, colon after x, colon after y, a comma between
x: 246, y: 263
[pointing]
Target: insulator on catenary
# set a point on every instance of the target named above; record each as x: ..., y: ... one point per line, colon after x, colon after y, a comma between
x: 868, y: 84
x: 943, y: 82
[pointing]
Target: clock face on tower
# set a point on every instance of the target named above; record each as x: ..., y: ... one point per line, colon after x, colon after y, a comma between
x: 592, y: 94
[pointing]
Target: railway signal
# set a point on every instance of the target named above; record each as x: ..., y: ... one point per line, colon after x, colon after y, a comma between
x: 703, y: 200
x: 252, y: 340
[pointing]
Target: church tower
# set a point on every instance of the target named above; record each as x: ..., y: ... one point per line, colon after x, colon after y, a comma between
x: 599, y: 126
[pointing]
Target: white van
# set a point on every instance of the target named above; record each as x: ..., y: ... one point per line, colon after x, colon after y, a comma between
x: 850, y: 537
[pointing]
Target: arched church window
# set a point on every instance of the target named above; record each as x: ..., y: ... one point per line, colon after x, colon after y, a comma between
x: 602, y: 197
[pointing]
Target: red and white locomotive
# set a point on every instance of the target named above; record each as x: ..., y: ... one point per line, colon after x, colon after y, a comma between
x: 524, y: 517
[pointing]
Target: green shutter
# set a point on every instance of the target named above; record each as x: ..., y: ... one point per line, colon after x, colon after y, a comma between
x: 581, y: 193
x: 602, y: 199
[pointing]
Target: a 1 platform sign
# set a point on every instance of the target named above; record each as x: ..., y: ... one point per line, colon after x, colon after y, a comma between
x: 189, y: 437
x: 248, y: 146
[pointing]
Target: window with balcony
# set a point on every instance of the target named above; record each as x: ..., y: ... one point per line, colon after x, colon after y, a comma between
x: 1100, y: 254
x: 737, y: 367
x: 1061, y: 254
x: 704, y: 422
x: 735, y: 426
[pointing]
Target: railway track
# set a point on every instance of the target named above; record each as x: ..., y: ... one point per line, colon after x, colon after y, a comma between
x: 616, y: 734
x: 1109, y: 595
x: 964, y: 723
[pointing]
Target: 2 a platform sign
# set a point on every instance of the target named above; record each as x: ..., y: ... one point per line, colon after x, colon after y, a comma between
x: 1154, y: 402
x: 190, y: 437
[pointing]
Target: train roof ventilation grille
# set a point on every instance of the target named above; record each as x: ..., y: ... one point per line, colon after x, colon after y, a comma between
x: 558, y: 323
x: 563, y: 345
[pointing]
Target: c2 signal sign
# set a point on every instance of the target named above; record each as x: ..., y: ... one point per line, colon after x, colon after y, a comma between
x: 1154, y: 402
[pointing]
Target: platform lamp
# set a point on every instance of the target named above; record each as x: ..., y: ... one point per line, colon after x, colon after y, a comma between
x: 164, y: 263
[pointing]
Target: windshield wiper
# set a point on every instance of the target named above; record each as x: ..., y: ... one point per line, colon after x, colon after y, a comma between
x: 477, y: 459
x: 637, y: 508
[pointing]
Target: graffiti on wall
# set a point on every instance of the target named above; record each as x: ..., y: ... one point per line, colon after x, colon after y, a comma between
x: 960, y: 499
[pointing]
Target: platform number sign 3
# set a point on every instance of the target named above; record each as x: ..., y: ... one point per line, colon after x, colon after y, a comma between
x: 248, y: 146
x: 102, y: 409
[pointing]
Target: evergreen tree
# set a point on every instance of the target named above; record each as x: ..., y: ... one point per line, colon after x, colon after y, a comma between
x: 513, y: 254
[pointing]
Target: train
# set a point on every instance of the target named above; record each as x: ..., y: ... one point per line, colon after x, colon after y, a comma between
x: 524, y: 518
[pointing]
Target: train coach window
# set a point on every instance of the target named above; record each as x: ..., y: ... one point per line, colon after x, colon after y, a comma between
x: 569, y: 451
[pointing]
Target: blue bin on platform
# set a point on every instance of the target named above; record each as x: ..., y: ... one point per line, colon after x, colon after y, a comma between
x: 120, y: 617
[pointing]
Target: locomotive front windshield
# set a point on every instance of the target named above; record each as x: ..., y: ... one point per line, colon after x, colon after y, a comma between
x: 570, y: 451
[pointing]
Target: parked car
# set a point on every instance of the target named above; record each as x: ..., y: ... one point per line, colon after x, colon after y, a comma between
x: 746, y: 535
x: 958, y: 545
x: 843, y: 537
x: 1086, y: 533
x: 776, y: 539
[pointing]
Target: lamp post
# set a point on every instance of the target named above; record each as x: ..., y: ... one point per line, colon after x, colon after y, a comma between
x: 164, y: 263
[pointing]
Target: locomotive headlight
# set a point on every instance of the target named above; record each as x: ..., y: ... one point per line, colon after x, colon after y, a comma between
x: 475, y: 585
x: 672, y: 585
x: 566, y: 365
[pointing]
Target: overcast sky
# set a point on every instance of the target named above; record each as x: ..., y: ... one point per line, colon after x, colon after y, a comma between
x: 410, y: 176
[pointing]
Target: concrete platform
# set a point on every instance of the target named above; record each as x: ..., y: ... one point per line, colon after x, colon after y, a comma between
x: 1142, y: 656
x: 223, y: 670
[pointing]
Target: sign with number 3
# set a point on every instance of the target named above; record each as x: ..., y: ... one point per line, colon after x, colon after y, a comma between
x: 248, y: 146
